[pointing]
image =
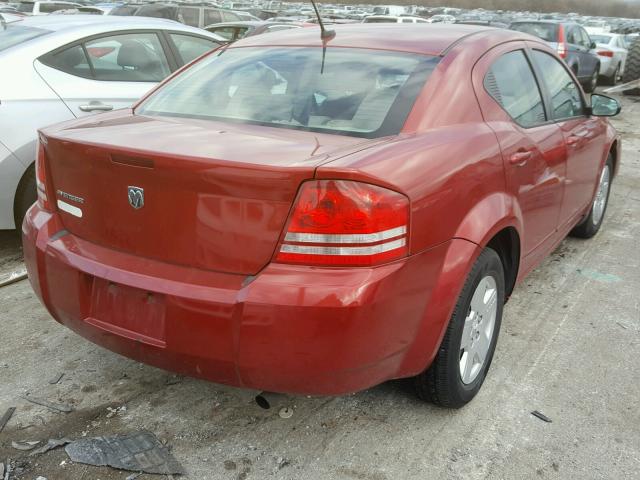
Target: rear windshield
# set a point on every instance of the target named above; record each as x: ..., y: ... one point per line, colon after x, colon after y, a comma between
x: 13, y: 34
x: 600, y: 38
x: 354, y: 92
x: 546, y: 31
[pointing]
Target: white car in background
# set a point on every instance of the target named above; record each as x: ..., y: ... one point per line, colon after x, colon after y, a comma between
x: 60, y: 67
x: 45, y: 7
x: 611, y: 49
x: 393, y: 19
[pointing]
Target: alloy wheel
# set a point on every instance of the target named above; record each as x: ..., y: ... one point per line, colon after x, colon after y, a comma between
x: 478, y: 329
x: 600, y: 202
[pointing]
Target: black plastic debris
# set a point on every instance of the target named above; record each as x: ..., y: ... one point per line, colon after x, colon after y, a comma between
x: 541, y: 416
x: 56, y: 378
x: 136, y: 452
x: 5, y: 418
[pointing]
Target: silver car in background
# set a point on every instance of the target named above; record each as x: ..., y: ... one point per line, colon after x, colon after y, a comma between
x: 60, y: 67
x: 611, y: 48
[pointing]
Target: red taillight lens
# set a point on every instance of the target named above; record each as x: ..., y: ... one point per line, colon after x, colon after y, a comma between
x: 605, y: 53
x: 562, y: 50
x: 340, y: 222
x: 562, y: 46
x: 41, y: 178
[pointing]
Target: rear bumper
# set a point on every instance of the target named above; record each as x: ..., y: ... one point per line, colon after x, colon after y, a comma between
x: 289, y: 329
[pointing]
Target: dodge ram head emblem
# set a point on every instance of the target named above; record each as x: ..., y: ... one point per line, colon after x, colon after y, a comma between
x: 136, y: 197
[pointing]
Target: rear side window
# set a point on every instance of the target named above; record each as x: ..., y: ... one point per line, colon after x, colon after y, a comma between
x: 546, y: 31
x: 228, y: 33
x: 189, y: 16
x: 566, y: 99
x: 511, y: 83
x: 26, y: 7
x: 48, y: 7
x: 353, y: 92
x: 211, y: 16
x: 72, y: 60
x: 14, y: 34
x: 190, y: 47
x: 136, y: 57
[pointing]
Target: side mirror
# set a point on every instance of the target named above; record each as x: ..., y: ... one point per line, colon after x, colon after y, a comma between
x: 603, y: 106
x: 593, y: 46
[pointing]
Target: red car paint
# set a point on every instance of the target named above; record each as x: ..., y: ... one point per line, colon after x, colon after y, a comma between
x: 192, y: 285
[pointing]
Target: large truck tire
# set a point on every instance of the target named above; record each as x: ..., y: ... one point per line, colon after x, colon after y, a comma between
x: 632, y: 68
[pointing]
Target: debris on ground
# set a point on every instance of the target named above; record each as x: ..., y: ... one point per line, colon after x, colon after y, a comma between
x: 133, y: 476
x: 56, y: 379
x: 25, y: 445
x: 50, y: 445
x: 5, y: 418
x: 137, y: 452
x: 286, y: 412
x: 56, y: 407
x: 116, y: 411
x: 282, y: 462
x: 41, y: 478
x: 14, y: 277
x: 541, y: 416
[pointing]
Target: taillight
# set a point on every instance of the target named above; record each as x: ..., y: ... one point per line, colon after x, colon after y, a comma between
x: 41, y: 178
x: 562, y: 45
x: 345, y: 223
x: 605, y: 53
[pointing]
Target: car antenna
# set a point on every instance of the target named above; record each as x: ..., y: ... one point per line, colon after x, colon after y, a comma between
x: 325, y: 35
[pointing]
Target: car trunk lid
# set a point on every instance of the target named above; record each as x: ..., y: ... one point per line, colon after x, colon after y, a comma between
x: 191, y: 192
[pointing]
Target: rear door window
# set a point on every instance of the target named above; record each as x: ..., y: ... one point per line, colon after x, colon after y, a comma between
x: 48, y: 7
x: 136, y: 57
x: 190, y: 47
x: 566, y: 99
x: 26, y: 7
x: 511, y: 83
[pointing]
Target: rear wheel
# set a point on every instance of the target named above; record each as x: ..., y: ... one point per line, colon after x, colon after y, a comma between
x: 612, y: 80
x: 464, y: 357
x: 25, y: 196
x: 592, y: 223
x: 591, y: 85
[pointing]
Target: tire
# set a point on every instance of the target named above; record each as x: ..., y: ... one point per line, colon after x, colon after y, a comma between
x: 591, y: 85
x: 632, y: 67
x: 592, y: 222
x: 613, y: 79
x: 442, y: 383
x: 26, y: 196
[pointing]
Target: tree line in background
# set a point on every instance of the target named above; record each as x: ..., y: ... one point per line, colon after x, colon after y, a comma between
x: 604, y: 8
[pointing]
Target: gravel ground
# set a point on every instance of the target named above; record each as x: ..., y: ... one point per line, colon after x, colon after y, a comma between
x: 569, y: 347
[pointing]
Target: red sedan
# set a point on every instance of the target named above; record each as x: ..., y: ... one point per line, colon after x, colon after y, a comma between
x: 287, y: 217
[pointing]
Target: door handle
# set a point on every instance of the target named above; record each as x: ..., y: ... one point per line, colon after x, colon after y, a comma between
x: 96, y: 107
x: 520, y: 158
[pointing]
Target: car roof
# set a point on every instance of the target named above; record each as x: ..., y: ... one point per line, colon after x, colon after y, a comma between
x: 239, y: 23
x: 65, y: 22
x: 423, y: 38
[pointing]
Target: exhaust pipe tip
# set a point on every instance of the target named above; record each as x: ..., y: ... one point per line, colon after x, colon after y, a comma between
x: 267, y: 400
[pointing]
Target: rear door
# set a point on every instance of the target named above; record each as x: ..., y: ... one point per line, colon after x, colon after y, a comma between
x: 105, y: 72
x: 584, y: 136
x: 532, y: 146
